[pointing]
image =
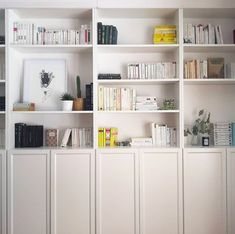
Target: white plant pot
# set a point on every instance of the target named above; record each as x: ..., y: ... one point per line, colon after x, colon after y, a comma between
x: 67, y: 105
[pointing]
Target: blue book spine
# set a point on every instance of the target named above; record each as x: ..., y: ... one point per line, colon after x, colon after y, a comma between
x: 233, y: 134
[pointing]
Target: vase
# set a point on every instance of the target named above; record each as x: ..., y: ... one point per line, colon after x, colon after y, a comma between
x: 194, y: 140
x: 78, y: 104
x: 67, y: 105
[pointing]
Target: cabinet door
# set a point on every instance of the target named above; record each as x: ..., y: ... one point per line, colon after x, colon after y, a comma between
x: 28, y: 192
x: 231, y: 190
x: 116, y: 192
x: 205, y: 191
x: 160, y: 191
x: 2, y: 192
x: 72, y: 193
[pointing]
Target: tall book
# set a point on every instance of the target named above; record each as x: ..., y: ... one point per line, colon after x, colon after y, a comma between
x: 215, y: 67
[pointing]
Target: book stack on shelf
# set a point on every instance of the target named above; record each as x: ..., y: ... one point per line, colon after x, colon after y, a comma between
x: 203, y: 34
x: 24, y: 106
x: 222, y: 134
x: 77, y: 137
x: 107, y: 137
x: 109, y: 76
x: 146, y: 103
x: 2, y: 137
x: 202, y: 69
x: 116, y: 99
x: 89, y: 97
x: 160, y: 70
x: 163, y: 136
x: 106, y: 34
x: 141, y: 141
x: 28, y: 135
x: 165, y: 34
x: 2, y: 71
x: 32, y: 34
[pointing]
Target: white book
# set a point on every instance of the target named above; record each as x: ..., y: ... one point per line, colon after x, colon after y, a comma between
x: 220, y: 35
x: 101, y: 98
x: 74, y: 137
x: 186, y: 32
x: 153, y: 132
x: 66, y: 136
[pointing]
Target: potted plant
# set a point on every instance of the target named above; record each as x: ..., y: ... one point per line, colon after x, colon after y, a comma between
x: 78, y: 102
x: 187, y: 138
x: 67, y: 102
x: 201, y: 126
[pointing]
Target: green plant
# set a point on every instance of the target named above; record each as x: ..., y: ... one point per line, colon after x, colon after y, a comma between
x: 202, y: 123
x: 78, y: 83
x: 66, y: 97
x: 187, y: 132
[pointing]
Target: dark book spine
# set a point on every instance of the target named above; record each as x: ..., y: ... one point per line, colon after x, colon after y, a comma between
x: 233, y: 36
x: 106, y: 34
x: 17, y: 138
x: 115, y: 35
x: 103, y: 34
x: 99, y: 33
x: 91, y: 96
x: 111, y: 34
x: 40, y: 136
x: 24, y: 134
x: 88, y: 97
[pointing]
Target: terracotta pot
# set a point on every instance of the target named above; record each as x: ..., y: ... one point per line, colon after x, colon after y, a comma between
x: 78, y: 104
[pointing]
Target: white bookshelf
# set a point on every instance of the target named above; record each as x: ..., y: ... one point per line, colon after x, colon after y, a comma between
x: 135, y: 31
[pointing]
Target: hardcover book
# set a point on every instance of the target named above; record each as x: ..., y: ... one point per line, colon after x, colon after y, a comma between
x: 215, y: 67
x: 52, y: 137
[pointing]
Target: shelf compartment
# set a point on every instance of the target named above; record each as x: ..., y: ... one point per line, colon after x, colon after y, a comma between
x: 209, y: 81
x: 53, y: 48
x: 215, y: 48
x: 138, y: 48
x: 139, y: 81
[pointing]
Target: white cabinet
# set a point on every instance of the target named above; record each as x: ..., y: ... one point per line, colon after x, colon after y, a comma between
x: 2, y: 192
x: 116, y: 185
x: 231, y: 189
x: 161, y: 191
x: 28, y: 192
x: 72, y: 191
x: 205, y: 191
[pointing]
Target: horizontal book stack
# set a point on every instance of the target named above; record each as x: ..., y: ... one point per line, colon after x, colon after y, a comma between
x: 89, y: 97
x: 165, y: 34
x: 24, y: 106
x: 146, y: 104
x: 163, y: 136
x: 106, y: 34
x: 201, y: 69
x: 159, y: 70
x: 222, y: 134
x: 109, y: 76
x: 77, y: 137
x: 28, y: 135
x: 141, y: 141
x: 116, y: 99
x: 203, y: 34
x: 230, y: 70
x: 107, y: 137
x: 32, y: 34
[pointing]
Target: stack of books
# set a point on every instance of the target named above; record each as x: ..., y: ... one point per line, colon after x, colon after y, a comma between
x: 109, y: 76
x: 230, y: 70
x: 89, y: 97
x: 116, y: 99
x: 141, y: 141
x: 163, y: 136
x: 201, y: 69
x: 164, y: 34
x: 158, y: 70
x: 24, y: 106
x: 107, y: 137
x: 77, y: 137
x: 106, y: 34
x: 146, y: 104
x: 2, y: 137
x: 32, y: 34
x: 203, y: 34
x: 223, y: 134
x: 28, y: 135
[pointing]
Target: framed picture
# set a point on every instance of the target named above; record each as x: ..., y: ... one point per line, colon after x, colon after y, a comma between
x: 45, y: 80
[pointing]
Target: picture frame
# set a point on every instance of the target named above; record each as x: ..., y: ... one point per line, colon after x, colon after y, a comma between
x: 45, y: 80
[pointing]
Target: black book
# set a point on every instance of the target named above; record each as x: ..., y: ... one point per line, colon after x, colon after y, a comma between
x: 111, y: 34
x: 103, y: 34
x: 18, y: 134
x: 24, y: 141
x: 88, y: 97
x: 114, y: 36
x: 39, y: 134
x: 91, y: 96
x: 99, y: 33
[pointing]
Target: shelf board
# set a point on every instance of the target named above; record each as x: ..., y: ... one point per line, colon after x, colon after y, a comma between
x: 52, y: 112
x: 141, y: 112
x: 53, y: 48
x: 138, y: 48
x: 139, y: 81
x: 209, y: 81
x: 215, y: 48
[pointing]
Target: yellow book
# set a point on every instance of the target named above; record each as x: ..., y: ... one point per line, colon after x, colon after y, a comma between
x: 104, y: 137
x: 164, y: 34
x: 113, y: 138
x: 100, y: 137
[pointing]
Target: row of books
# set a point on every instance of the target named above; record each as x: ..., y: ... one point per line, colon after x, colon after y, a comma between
x: 32, y: 34
x: 163, y: 136
x: 209, y: 68
x: 203, y: 34
x: 116, y: 99
x: 158, y: 70
x: 2, y: 137
x: 106, y: 34
x: 77, y: 137
x: 28, y: 135
x: 89, y: 97
x: 223, y: 135
x: 107, y: 137
x: 109, y: 76
x: 2, y: 71
x: 165, y: 34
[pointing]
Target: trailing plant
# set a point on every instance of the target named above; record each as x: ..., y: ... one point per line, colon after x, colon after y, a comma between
x: 187, y: 132
x: 202, y: 123
x: 78, y: 83
x: 66, y: 97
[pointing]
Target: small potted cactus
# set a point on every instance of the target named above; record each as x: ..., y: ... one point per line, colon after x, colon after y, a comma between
x: 78, y: 102
x: 67, y: 102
